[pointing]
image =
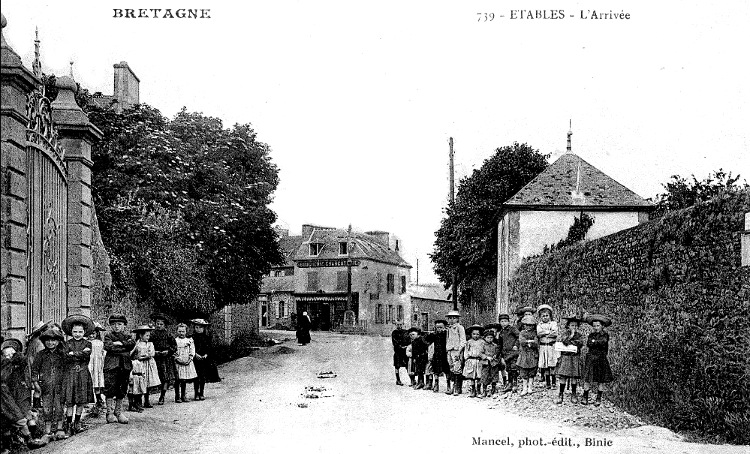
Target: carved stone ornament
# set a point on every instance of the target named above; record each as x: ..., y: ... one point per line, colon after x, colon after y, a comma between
x: 41, y: 130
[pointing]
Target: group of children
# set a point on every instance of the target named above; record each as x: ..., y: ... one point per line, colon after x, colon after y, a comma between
x: 68, y: 366
x: 503, y: 353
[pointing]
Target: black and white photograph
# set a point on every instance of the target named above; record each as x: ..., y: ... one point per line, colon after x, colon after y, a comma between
x: 374, y: 227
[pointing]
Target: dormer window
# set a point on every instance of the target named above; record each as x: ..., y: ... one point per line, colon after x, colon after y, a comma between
x: 315, y: 248
x: 343, y: 248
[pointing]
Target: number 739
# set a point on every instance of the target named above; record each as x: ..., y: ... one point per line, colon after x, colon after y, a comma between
x: 485, y: 17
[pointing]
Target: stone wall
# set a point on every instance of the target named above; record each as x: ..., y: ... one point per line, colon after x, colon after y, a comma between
x: 680, y: 300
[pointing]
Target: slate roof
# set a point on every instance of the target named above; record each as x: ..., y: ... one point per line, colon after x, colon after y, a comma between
x: 554, y: 187
x: 277, y: 284
x: 430, y: 292
x: 365, y: 247
x: 288, y: 246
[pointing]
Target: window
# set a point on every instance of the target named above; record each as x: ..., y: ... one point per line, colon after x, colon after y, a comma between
x: 282, y: 309
x: 289, y: 271
x: 374, y: 296
x: 379, y: 315
x: 403, y: 284
x: 390, y: 287
x: 397, y: 245
x: 342, y: 280
x: 343, y: 248
x: 389, y: 315
x: 400, y: 312
x: 312, y: 281
x: 315, y: 248
x: 425, y: 321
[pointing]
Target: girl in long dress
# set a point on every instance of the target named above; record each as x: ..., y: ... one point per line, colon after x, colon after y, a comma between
x: 596, y: 370
x: 184, y: 363
x: 546, y: 331
x: 77, y: 383
x: 473, y: 356
x: 528, y: 356
x: 96, y: 368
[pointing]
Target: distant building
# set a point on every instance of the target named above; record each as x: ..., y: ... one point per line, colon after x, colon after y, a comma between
x: 541, y: 213
x: 429, y: 302
x: 314, y: 278
x: 126, y: 90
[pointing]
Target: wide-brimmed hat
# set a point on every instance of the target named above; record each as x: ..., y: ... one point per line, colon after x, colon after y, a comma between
x: 159, y: 316
x: 98, y: 327
x: 51, y: 334
x: 141, y: 328
x: 117, y: 317
x: 199, y: 322
x: 572, y: 318
x: 40, y: 327
x: 444, y: 322
x: 453, y: 313
x: 603, y: 319
x: 15, y: 343
x: 528, y: 320
x: 77, y: 319
x: 479, y: 328
x: 491, y: 326
x: 503, y: 317
x: 523, y: 309
x: 544, y: 307
x: 414, y: 329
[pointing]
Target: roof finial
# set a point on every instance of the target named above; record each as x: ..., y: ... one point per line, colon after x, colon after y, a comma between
x: 71, y: 67
x: 570, y: 135
x: 36, y: 66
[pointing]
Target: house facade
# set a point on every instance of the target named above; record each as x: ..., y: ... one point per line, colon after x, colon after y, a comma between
x: 329, y: 272
x: 542, y: 212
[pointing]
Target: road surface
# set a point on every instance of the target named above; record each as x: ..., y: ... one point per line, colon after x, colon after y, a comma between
x: 255, y: 409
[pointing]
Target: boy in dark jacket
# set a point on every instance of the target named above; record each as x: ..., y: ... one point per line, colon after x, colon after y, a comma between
x: 418, y: 355
x: 117, y: 367
x: 508, y: 338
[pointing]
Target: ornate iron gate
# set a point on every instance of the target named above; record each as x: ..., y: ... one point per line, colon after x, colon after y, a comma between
x: 47, y: 215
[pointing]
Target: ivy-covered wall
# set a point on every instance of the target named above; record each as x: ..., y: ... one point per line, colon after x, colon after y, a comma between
x: 680, y: 301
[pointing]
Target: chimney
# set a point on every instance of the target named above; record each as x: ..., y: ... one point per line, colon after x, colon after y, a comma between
x: 127, y: 92
x: 381, y: 236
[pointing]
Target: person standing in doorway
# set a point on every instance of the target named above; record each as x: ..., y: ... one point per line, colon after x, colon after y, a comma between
x: 303, y: 329
x: 454, y: 345
x: 400, y: 340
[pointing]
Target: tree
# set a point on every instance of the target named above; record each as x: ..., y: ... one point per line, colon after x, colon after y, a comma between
x: 183, y: 204
x: 682, y: 192
x: 466, y: 243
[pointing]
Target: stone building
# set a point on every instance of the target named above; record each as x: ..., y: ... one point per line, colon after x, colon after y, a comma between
x: 48, y: 222
x: 315, y: 279
x: 126, y: 90
x: 429, y: 302
x: 542, y: 212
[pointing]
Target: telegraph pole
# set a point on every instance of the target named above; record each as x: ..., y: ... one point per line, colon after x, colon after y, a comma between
x: 453, y: 200
x: 348, y: 269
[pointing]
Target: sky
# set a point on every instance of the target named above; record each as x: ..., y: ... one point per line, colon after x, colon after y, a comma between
x: 357, y: 100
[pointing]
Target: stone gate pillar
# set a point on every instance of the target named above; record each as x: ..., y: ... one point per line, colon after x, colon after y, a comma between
x: 76, y: 134
x: 16, y: 82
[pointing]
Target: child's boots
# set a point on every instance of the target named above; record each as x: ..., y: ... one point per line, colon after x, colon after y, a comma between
x: 585, y: 400
x: 598, y: 399
x: 147, y: 401
x: 111, y: 410
x: 420, y: 382
x: 473, y: 390
x: 428, y: 385
x: 62, y: 432
x: 436, y: 385
x: 448, y: 388
x: 121, y: 418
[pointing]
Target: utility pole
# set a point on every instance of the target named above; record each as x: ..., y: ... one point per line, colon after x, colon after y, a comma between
x: 348, y: 269
x: 453, y: 200
x: 417, y: 272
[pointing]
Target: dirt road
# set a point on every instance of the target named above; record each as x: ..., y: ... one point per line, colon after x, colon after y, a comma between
x: 255, y: 410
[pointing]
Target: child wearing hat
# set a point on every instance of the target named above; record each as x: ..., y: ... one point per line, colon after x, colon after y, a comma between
x: 491, y: 363
x: 508, y: 340
x: 165, y: 348
x: 454, y: 345
x: 47, y: 373
x: 473, y: 358
x: 205, y: 366
x: 79, y: 390
x: 96, y: 368
x: 522, y: 312
x: 144, y: 374
x: 546, y: 331
x: 14, y: 392
x: 439, y: 362
x: 596, y: 369
x: 418, y: 356
x: 117, y: 367
x: 528, y: 356
x: 184, y: 356
x: 569, y: 363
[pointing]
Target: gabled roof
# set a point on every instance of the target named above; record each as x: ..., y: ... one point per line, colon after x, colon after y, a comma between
x: 365, y: 247
x: 556, y: 187
x: 288, y: 246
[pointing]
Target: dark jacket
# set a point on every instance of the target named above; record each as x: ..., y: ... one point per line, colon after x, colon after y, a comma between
x: 163, y: 342
x: 399, y: 339
x: 205, y: 368
x: 118, y: 356
x: 508, y: 338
